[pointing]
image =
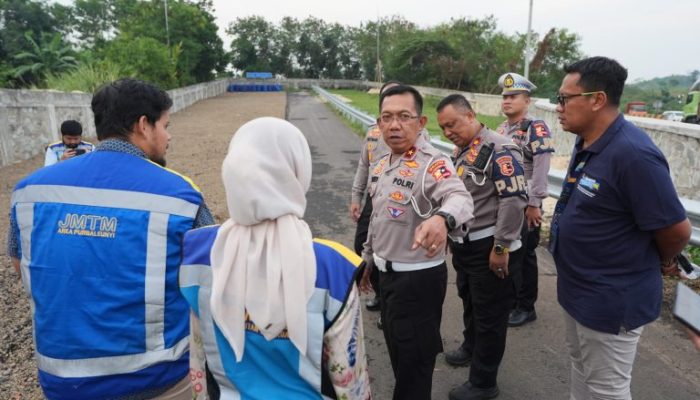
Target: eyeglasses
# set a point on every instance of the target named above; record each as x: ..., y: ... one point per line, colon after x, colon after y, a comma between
x: 563, y: 98
x: 402, y: 118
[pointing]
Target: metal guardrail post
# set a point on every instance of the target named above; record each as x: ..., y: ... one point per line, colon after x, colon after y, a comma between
x: 556, y: 177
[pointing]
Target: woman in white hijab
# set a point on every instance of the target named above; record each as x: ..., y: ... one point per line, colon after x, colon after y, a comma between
x: 277, y: 309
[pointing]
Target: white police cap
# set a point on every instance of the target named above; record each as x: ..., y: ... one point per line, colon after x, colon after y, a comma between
x: 513, y: 83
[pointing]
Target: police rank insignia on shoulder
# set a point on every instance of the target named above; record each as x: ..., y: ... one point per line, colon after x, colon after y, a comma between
x: 374, y: 132
x: 506, y: 164
x: 460, y: 171
x: 410, y: 153
x: 472, y: 152
x: 395, y: 212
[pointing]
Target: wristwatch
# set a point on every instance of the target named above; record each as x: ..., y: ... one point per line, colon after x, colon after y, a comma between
x: 500, y: 249
x: 450, y: 221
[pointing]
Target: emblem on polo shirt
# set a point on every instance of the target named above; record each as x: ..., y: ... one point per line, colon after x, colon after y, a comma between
x: 395, y: 212
x: 406, y: 173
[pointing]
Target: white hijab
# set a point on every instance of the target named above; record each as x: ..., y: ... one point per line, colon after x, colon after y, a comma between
x: 262, y: 259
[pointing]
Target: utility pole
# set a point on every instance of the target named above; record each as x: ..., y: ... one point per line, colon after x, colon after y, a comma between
x: 167, y: 31
x: 528, y: 47
x: 378, y: 72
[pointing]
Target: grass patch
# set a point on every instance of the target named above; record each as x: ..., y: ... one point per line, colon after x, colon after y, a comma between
x: 694, y: 253
x: 369, y: 103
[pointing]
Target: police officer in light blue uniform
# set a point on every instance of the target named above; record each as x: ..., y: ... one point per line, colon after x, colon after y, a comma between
x: 98, y: 244
x: 71, y: 144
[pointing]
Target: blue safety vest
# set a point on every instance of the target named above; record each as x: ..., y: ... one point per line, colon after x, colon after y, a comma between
x: 100, y: 239
x: 269, y: 369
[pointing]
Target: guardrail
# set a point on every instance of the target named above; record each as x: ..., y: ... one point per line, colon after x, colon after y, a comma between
x: 556, y: 177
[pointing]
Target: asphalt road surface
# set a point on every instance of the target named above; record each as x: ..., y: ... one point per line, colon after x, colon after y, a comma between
x: 535, y: 365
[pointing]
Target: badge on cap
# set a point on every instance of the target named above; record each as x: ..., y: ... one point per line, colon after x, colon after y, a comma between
x: 513, y: 83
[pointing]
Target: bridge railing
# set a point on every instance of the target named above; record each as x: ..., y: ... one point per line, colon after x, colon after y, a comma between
x: 556, y: 177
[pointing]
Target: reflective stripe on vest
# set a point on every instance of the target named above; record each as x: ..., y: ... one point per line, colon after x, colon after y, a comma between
x: 105, y: 198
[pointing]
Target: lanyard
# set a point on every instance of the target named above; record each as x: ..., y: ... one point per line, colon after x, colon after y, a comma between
x: 572, y: 177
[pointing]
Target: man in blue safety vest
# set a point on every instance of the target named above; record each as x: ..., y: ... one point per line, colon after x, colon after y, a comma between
x: 97, y: 241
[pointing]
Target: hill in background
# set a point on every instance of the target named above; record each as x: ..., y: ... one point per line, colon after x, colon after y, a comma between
x: 671, y: 90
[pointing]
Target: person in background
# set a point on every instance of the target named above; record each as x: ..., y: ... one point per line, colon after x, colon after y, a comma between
x: 71, y: 144
x: 535, y: 141
x: 373, y: 147
x: 279, y: 311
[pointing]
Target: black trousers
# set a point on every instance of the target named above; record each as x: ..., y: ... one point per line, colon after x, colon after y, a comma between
x: 361, y: 238
x: 411, y: 305
x: 526, y: 281
x: 487, y: 301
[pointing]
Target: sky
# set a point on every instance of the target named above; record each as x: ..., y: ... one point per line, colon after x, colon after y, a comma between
x: 651, y: 38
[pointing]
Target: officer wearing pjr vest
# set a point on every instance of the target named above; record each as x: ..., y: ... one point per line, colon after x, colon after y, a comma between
x: 416, y: 199
x: 490, y: 167
x: 97, y: 241
x: 535, y: 140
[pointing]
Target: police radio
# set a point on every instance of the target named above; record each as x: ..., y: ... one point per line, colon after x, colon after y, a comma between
x: 483, y: 158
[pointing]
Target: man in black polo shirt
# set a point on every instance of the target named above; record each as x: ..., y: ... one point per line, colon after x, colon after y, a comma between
x: 617, y: 220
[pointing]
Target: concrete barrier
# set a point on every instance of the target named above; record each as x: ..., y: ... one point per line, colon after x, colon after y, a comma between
x: 679, y: 142
x: 31, y: 119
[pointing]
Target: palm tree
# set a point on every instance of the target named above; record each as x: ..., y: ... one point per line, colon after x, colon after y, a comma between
x: 50, y: 56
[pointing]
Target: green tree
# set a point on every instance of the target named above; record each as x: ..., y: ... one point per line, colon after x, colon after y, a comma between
x: 192, y: 31
x: 145, y: 58
x: 252, y: 46
x: 49, y: 55
x: 558, y: 48
x: 18, y: 17
x: 368, y: 48
x: 421, y: 59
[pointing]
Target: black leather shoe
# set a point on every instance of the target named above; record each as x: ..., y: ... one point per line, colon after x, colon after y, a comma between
x: 469, y: 392
x: 373, y: 304
x: 520, y: 317
x: 458, y: 358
